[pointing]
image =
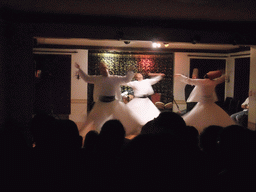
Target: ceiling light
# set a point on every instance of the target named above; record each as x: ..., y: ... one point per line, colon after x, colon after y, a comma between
x: 196, y: 39
x: 166, y: 44
x: 156, y: 45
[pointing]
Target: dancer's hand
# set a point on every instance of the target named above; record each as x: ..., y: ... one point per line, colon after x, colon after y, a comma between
x: 177, y: 75
x: 77, y: 65
x: 156, y: 74
x: 131, y: 68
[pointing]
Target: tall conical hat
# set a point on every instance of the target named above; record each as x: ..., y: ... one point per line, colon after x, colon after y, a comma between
x: 213, y: 74
x: 195, y: 72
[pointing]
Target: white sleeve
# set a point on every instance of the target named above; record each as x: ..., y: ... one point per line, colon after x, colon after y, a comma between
x: 125, y: 80
x: 85, y: 77
x: 154, y: 80
x: 220, y: 79
x: 190, y: 81
x: 130, y: 84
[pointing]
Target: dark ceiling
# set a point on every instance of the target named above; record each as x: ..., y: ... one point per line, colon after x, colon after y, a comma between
x: 217, y: 10
x: 172, y: 20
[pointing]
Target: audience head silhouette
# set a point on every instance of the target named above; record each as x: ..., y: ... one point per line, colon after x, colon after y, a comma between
x: 208, y: 141
x: 68, y: 134
x: 90, y: 139
x: 112, y: 135
x: 166, y: 122
x: 43, y: 129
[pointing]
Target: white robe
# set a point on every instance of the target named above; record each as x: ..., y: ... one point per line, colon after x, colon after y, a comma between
x: 144, y: 109
x: 104, y: 111
x: 206, y: 112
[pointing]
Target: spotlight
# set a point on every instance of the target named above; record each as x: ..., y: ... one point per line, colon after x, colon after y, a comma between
x: 166, y: 44
x: 127, y: 42
x: 196, y: 39
x: 156, y: 45
x: 119, y: 35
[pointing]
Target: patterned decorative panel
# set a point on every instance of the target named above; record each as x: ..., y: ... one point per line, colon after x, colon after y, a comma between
x: 119, y: 62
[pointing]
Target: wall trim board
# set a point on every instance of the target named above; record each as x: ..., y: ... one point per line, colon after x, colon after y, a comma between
x: 252, y: 125
x: 79, y: 101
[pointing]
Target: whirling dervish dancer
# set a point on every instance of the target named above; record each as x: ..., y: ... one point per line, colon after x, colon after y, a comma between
x: 107, y: 98
x: 206, y: 112
x: 141, y: 105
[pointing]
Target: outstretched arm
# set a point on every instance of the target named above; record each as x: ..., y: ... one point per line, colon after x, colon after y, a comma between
x: 186, y: 80
x: 77, y: 65
x: 155, y: 77
x: 124, y: 80
x: 156, y: 74
x: 221, y: 79
x: 183, y: 78
x: 83, y: 75
x: 131, y: 68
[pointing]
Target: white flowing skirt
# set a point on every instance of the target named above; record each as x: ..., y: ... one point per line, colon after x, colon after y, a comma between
x: 144, y: 109
x: 104, y: 111
x: 205, y: 114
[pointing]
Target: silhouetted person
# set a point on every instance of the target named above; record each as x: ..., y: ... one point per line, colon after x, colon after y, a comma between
x: 209, y: 139
x: 190, y: 135
x: 15, y: 159
x: 209, y: 144
x: 160, y: 162
x: 111, y: 140
x: 166, y: 122
x: 56, y: 153
x: 107, y: 153
x: 90, y: 140
x: 237, y: 147
x: 68, y: 136
x: 43, y: 130
x: 240, y: 117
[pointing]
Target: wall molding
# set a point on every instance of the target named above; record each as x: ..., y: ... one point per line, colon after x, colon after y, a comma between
x: 240, y: 55
x: 35, y: 51
x: 209, y: 56
x: 251, y: 125
x: 84, y: 101
x: 180, y: 101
